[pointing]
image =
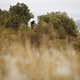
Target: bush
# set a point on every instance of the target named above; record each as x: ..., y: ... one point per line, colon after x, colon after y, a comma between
x: 61, y: 22
x: 16, y: 15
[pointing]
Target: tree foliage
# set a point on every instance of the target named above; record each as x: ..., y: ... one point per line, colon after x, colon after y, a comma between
x: 16, y: 15
x: 21, y: 11
x: 61, y: 22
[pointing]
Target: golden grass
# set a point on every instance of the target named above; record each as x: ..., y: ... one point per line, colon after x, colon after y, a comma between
x: 20, y: 60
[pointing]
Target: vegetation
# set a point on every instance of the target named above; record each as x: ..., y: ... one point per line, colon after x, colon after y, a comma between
x: 41, y: 53
x: 54, y: 25
x: 61, y: 23
x: 51, y: 26
x: 16, y: 15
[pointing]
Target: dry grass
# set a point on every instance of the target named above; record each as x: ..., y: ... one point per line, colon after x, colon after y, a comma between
x: 20, y: 60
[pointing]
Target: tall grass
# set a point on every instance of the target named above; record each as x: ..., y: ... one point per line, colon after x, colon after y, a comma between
x: 20, y: 59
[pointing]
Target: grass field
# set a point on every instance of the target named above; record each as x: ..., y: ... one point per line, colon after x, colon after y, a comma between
x: 21, y: 60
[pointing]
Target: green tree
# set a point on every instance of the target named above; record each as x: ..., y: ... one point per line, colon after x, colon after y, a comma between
x: 22, y: 11
x: 61, y: 22
x: 3, y: 17
x: 19, y: 14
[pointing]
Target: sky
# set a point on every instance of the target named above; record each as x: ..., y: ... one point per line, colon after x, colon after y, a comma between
x: 38, y: 7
